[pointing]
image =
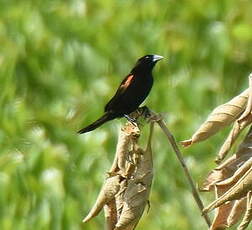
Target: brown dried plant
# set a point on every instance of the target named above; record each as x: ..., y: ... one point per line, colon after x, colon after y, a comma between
x: 231, y: 181
x: 219, y: 118
x: 126, y: 190
x: 237, y: 111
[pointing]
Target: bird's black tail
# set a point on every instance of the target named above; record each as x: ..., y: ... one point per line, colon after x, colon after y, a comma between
x: 106, y: 117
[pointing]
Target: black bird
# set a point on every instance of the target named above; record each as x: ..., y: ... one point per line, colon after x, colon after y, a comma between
x: 132, y: 91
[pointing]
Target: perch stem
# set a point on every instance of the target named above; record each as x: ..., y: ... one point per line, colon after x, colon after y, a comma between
x: 195, y: 193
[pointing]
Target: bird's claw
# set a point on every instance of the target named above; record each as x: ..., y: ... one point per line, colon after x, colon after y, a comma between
x: 149, y: 115
x: 131, y: 120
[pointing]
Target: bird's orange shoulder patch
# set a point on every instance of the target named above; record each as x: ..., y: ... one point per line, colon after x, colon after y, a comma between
x: 128, y: 80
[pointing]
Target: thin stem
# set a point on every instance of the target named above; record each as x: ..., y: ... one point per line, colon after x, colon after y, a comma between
x: 195, y: 193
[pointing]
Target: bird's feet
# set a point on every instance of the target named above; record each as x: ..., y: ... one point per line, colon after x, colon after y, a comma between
x: 131, y: 120
x: 149, y: 115
x: 144, y: 111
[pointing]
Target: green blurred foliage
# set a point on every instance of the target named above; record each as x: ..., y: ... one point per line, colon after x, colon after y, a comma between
x: 60, y: 62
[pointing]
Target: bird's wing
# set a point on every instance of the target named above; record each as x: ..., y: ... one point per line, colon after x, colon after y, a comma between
x: 126, y: 82
x: 123, y: 86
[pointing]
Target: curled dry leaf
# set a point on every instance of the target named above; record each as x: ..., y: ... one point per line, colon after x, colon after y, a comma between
x: 234, y: 133
x: 236, y: 212
x: 242, y: 122
x: 236, y: 192
x: 237, y: 175
x: 108, y: 192
x: 226, y: 170
x: 222, y: 213
x: 127, y: 136
x: 220, y: 117
x: 248, y: 214
x: 110, y: 214
x: 231, y: 180
x: 215, y: 176
x: 248, y: 109
x: 136, y: 197
x: 222, y: 174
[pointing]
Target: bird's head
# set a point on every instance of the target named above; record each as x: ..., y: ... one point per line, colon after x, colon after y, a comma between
x: 148, y: 61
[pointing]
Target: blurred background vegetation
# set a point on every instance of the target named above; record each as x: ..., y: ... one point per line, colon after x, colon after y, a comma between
x: 60, y: 62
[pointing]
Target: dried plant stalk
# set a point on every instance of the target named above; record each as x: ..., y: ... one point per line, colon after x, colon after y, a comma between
x: 220, y: 117
x: 172, y: 141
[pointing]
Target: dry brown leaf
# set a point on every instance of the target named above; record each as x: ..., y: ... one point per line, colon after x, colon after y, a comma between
x: 248, y: 109
x: 107, y: 193
x: 220, y: 117
x: 233, y: 178
x: 133, y: 207
x: 128, y: 134
x: 246, y: 146
x: 248, y: 214
x: 238, y: 209
x: 213, y: 177
x: 222, y: 213
x: 236, y: 192
x: 233, y: 135
x: 226, y: 170
x: 110, y: 214
x: 135, y: 196
x: 126, y: 190
x: 242, y: 122
x: 237, y: 175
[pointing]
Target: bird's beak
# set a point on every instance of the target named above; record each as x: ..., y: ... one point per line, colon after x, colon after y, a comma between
x: 157, y: 58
